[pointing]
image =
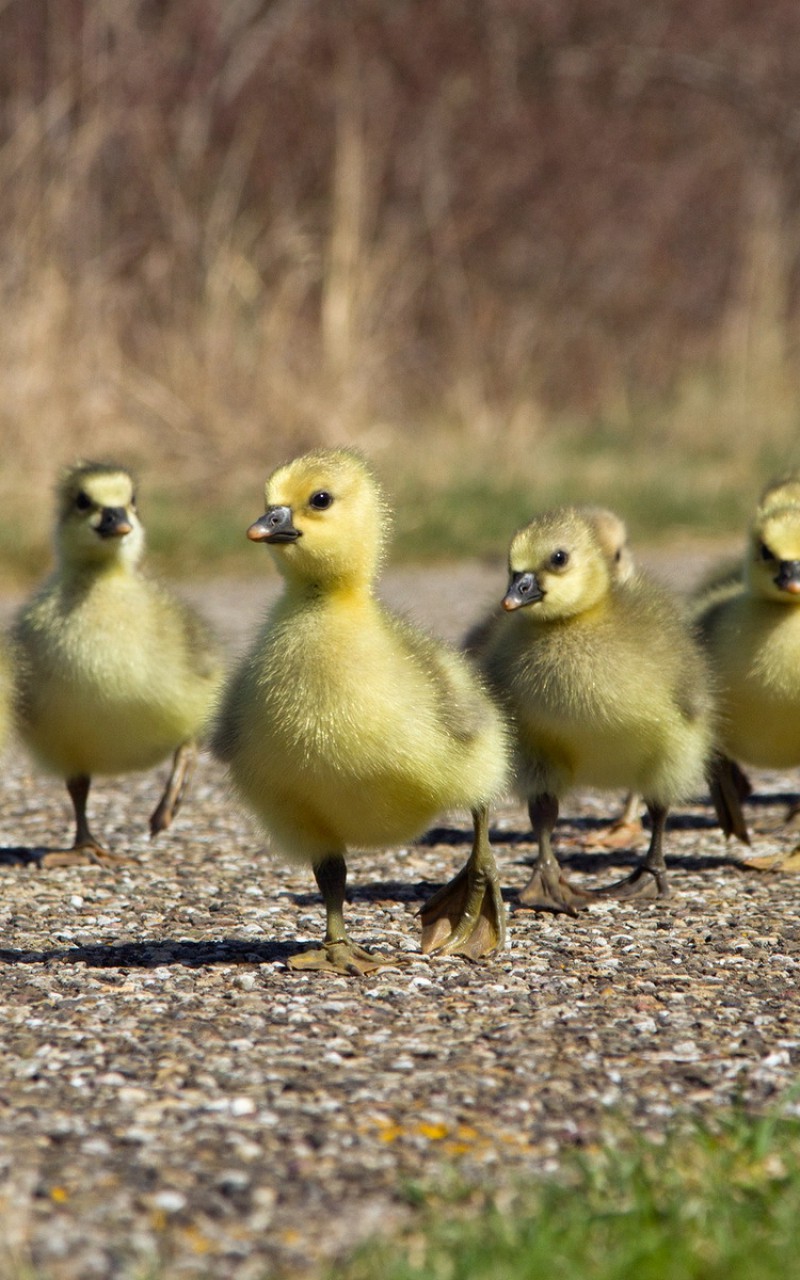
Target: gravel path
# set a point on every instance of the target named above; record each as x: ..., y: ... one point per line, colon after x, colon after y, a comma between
x: 172, y: 1093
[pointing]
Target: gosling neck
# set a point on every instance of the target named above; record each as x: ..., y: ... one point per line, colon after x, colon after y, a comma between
x: 345, y: 589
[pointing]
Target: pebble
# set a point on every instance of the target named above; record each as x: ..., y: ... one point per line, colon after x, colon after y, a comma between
x: 168, y: 1082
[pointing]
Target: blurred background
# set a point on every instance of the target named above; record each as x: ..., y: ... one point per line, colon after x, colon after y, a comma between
x: 519, y: 251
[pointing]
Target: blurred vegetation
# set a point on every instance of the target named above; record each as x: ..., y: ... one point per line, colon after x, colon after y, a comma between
x: 703, y: 1204
x: 516, y: 252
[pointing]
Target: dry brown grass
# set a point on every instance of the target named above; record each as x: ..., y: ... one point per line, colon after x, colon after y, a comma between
x: 518, y: 247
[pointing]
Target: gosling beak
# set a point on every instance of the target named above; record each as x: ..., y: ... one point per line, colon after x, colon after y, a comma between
x: 522, y: 589
x: 114, y: 523
x: 788, y: 576
x: 274, y: 526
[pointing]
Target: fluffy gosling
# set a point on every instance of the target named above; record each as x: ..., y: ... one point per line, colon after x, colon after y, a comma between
x: 346, y: 726
x: 113, y: 672
x: 612, y: 537
x: 605, y: 687
x: 751, y: 632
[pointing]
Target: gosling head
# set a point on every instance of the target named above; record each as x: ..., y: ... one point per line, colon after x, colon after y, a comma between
x: 326, y: 520
x: 783, y: 491
x: 97, y: 522
x: 773, y: 566
x: 557, y: 566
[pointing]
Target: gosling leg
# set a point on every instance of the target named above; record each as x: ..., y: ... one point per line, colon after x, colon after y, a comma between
x: 338, y: 953
x: 183, y: 763
x: 649, y: 880
x: 548, y: 889
x: 85, y: 851
x: 467, y: 916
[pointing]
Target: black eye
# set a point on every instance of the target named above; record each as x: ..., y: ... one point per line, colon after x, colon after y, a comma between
x: 559, y: 559
x: 764, y: 551
x: 83, y: 502
x: 320, y: 500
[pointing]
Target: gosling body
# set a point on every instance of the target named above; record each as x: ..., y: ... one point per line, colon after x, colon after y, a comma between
x: 605, y: 686
x: 345, y: 726
x: 114, y: 673
x: 751, y: 631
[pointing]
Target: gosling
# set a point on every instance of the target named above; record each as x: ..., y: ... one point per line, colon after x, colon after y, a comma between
x: 113, y: 673
x: 612, y: 536
x: 605, y: 686
x: 346, y: 726
x: 751, y: 632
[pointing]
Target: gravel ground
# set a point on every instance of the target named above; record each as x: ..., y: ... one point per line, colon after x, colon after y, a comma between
x: 172, y: 1094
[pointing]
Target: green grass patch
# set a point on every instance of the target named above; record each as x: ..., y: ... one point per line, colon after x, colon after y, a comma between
x: 449, y: 503
x: 477, y: 517
x: 706, y: 1204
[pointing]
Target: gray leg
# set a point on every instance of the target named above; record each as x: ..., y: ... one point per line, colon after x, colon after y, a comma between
x: 649, y: 880
x: 85, y: 850
x: 338, y: 954
x: 548, y: 889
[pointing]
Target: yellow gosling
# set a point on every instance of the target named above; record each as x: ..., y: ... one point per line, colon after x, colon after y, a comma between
x: 783, y: 491
x: 347, y: 727
x: 612, y: 537
x: 605, y: 687
x: 751, y: 631
x: 113, y: 673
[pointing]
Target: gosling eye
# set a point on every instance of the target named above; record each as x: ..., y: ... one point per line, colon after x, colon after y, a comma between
x: 764, y: 552
x: 321, y: 500
x: 82, y: 501
x: 559, y: 559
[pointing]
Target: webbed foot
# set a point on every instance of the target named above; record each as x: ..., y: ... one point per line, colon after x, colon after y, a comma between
x: 467, y: 916
x: 627, y: 828
x: 621, y: 834
x: 728, y: 787
x: 342, y: 957
x: 644, y: 885
x: 87, y: 854
x: 549, y: 890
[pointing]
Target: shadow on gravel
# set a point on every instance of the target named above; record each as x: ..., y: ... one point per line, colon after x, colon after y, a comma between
x: 571, y: 825
x: 22, y: 856
x: 603, y: 859
x: 152, y: 955
x: 17, y: 856
x: 789, y: 798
